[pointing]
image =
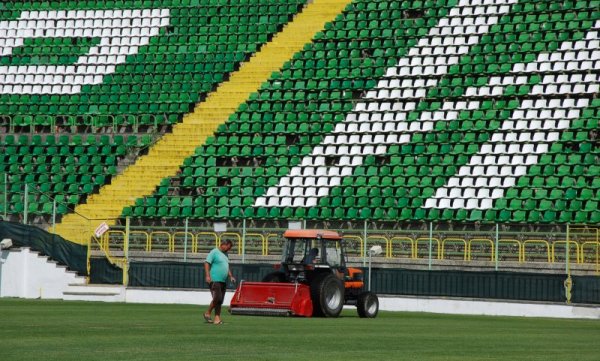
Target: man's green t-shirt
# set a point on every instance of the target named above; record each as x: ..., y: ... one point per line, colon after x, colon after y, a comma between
x: 219, y: 265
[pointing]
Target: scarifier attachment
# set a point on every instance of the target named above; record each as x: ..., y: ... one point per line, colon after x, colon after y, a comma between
x: 272, y: 298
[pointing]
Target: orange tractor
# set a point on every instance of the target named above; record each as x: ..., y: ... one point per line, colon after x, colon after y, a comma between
x: 311, y: 280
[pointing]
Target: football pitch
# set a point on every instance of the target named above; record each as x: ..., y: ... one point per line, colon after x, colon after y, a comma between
x: 60, y: 330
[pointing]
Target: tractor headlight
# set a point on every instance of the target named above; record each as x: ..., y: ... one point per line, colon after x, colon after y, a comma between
x: 296, y: 268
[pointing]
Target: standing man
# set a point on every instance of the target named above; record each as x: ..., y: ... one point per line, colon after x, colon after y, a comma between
x: 216, y: 270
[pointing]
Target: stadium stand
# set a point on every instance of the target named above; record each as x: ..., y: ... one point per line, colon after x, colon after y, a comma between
x: 447, y: 110
x: 441, y: 135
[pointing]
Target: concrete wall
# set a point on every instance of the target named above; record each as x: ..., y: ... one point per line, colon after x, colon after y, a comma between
x: 26, y: 274
x: 189, y: 297
x: 394, y: 303
x: 489, y: 308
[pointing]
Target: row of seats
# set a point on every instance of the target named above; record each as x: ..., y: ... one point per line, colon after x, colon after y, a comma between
x: 356, y: 213
x: 373, y: 202
x: 405, y: 168
x: 76, y: 151
x: 74, y: 139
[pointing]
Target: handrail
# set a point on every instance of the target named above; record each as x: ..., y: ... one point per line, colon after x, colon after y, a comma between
x: 575, y: 243
x: 592, y: 244
x: 594, y: 233
x: 169, y: 238
x: 263, y: 247
x: 103, y: 245
x: 360, y: 241
x: 263, y: 243
x: 454, y: 241
x: 519, y: 247
x: 147, y: 245
x: 213, y: 234
x: 387, y: 242
x: 190, y: 236
x: 402, y: 240
x: 427, y: 239
x: 480, y: 240
x: 121, y: 263
x: 537, y: 241
x: 106, y: 236
x: 266, y: 244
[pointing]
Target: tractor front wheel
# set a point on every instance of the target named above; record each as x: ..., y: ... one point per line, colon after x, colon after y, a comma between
x: 327, y: 294
x: 367, y: 305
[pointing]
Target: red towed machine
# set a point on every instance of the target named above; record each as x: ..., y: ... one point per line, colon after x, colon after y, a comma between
x: 312, y: 280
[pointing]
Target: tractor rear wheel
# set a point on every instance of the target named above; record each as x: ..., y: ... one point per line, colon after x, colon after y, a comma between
x: 367, y: 305
x: 275, y: 277
x: 327, y: 294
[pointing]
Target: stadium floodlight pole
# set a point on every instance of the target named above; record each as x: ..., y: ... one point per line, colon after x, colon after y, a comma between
x: 185, y: 234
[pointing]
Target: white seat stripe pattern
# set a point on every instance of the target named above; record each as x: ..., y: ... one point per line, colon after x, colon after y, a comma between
x: 122, y: 32
x: 486, y: 169
x: 458, y: 41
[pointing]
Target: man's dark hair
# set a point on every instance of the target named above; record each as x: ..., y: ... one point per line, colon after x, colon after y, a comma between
x: 227, y: 242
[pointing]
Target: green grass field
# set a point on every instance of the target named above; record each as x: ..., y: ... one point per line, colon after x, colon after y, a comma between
x: 59, y: 330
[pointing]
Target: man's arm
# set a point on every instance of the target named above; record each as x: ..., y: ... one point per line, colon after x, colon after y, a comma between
x: 207, y: 272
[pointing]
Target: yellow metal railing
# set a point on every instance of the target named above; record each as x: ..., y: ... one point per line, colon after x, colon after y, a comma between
x: 360, y: 244
x: 591, y: 238
x: 595, y: 246
x: 104, y: 244
x: 584, y: 250
x: 537, y: 244
x: 508, y: 243
x: 572, y: 245
x: 426, y: 241
x: 179, y: 238
x: 210, y: 244
x: 268, y: 237
x: 482, y: 242
x: 453, y: 242
x: 384, y: 242
x: 106, y: 237
x: 161, y: 244
x: 145, y: 245
x: 250, y: 246
x: 402, y: 241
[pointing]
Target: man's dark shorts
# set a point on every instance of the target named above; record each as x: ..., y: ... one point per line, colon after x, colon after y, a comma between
x: 217, y: 290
